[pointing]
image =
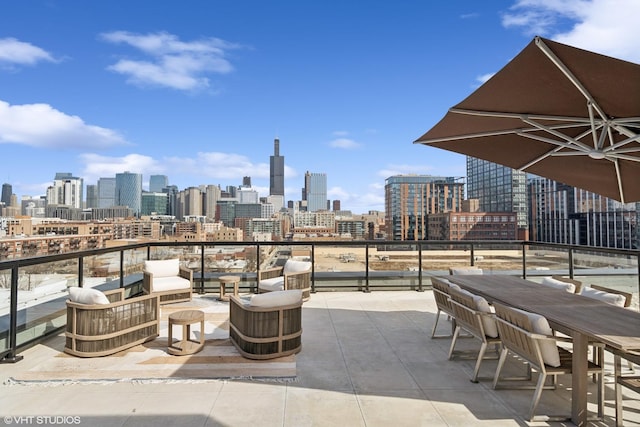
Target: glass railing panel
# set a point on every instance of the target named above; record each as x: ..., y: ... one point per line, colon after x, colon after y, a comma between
x: 542, y: 260
x: 5, y: 307
x: 499, y: 258
x: 438, y: 258
x: 394, y: 266
x: 42, y: 295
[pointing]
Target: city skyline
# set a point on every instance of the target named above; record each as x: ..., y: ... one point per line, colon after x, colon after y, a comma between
x: 200, y: 93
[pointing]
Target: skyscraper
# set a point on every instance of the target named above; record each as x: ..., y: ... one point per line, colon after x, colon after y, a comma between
x: 499, y: 189
x: 66, y: 190
x: 7, y: 191
x: 276, y: 175
x: 315, y: 191
x: 106, y: 192
x: 129, y: 191
x: 157, y: 183
x: 409, y: 199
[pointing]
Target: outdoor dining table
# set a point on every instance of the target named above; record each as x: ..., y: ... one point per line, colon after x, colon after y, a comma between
x: 583, y: 319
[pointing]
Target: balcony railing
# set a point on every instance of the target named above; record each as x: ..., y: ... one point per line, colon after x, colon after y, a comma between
x: 33, y: 290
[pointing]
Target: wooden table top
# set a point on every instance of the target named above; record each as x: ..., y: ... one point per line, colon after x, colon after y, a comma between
x: 614, y: 326
x: 186, y: 316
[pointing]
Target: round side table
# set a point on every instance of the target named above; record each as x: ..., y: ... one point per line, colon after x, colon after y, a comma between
x: 228, y: 280
x: 185, y: 345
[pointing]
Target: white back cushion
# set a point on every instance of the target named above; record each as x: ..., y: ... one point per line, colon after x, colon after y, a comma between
x: 608, y: 297
x: 293, y: 266
x: 87, y: 296
x: 276, y: 298
x: 559, y: 284
x: 163, y: 267
x: 548, y: 348
x: 488, y: 323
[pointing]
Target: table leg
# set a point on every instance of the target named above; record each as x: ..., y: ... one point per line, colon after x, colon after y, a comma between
x: 579, y: 379
x: 170, y: 338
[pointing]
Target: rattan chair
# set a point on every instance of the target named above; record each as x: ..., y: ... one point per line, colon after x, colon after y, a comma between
x: 167, y: 279
x: 103, y: 329
x: 293, y: 275
x: 540, y: 351
x: 267, y: 330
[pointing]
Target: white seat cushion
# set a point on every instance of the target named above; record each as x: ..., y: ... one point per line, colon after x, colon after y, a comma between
x: 87, y: 296
x: 170, y: 283
x: 273, y: 284
x: 163, y: 267
x: 608, y: 297
x: 293, y: 266
x: 276, y: 299
x: 559, y: 284
x: 548, y: 348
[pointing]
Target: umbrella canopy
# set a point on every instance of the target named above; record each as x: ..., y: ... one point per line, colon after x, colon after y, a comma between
x: 556, y: 111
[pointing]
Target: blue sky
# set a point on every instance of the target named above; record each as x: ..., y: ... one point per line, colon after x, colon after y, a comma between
x: 197, y: 90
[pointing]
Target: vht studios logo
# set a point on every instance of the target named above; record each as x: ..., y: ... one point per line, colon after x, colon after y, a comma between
x: 42, y: 420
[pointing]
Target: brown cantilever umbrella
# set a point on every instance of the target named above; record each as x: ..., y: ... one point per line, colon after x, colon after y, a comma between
x: 556, y: 111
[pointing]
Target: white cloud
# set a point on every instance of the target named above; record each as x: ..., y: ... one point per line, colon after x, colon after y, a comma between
x: 345, y: 143
x: 170, y: 62
x: 608, y: 27
x: 97, y: 166
x: 483, y: 78
x: 392, y: 170
x: 13, y: 51
x: 40, y: 125
x: 341, y: 133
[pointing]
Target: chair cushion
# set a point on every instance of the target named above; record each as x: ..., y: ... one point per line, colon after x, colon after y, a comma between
x: 548, y: 348
x: 276, y: 299
x: 87, y: 296
x: 488, y: 323
x: 559, y: 284
x: 169, y: 283
x: 273, y: 284
x: 608, y: 297
x: 293, y: 266
x: 163, y: 267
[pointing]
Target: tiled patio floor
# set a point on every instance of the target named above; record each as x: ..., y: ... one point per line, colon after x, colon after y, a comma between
x: 367, y: 360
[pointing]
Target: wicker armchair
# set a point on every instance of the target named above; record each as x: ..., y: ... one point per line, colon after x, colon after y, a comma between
x: 294, y: 275
x: 107, y: 328
x: 167, y: 279
x: 267, y: 326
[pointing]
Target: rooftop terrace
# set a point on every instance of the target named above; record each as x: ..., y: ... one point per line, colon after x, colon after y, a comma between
x: 367, y: 359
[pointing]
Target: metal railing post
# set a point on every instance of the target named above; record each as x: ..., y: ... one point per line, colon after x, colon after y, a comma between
x: 202, y: 268
x: 313, y: 268
x: 122, y: 268
x: 473, y: 257
x: 524, y: 261
x: 366, y: 268
x: 80, y: 271
x: 12, y: 357
x: 420, y: 268
x: 571, y: 263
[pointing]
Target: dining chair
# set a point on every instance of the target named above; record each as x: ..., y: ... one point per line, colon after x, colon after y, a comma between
x: 473, y: 315
x: 440, y: 288
x: 529, y: 337
x: 631, y: 382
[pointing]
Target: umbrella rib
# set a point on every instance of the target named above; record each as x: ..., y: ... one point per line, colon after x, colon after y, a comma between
x: 563, y: 68
x: 581, y: 120
x: 571, y: 143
